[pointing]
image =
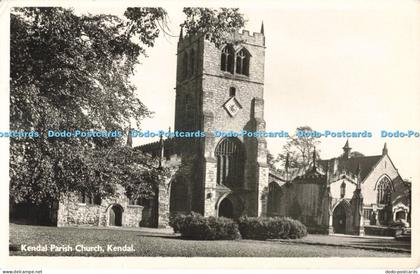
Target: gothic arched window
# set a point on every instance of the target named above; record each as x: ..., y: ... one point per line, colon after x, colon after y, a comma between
x: 342, y: 189
x: 384, y: 191
x: 242, y: 62
x: 227, y: 59
x: 230, y: 162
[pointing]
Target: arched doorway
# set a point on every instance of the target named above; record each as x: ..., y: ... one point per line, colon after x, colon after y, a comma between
x: 115, y: 215
x: 226, y: 208
x: 339, y: 219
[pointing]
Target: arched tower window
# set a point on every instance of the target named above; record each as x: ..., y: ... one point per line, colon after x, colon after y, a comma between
x: 185, y: 66
x: 384, y: 191
x: 227, y: 57
x: 230, y: 162
x: 342, y: 189
x: 192, y: 62
x: 242, y: 62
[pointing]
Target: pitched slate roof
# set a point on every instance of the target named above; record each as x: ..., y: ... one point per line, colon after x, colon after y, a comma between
x: 350, y: 165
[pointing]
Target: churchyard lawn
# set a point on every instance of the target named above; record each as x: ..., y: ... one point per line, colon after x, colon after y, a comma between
x: 28, y: 240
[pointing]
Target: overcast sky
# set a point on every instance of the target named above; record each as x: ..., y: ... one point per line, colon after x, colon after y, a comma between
x: 329, y: 67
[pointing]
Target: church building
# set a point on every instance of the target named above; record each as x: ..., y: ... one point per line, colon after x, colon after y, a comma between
x: 343, y: 195
x: 222, y: 88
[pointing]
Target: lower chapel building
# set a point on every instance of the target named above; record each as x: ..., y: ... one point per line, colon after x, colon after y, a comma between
x: 221, y: 88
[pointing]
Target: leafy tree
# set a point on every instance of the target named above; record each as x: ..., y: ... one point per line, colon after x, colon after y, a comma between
x: 299, y: 150
x: 354, y: 154
x: 216, y: 24
x: 272, y: 161
x: 73, y: 72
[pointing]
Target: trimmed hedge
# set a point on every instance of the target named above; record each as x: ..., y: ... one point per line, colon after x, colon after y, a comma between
x: 271, y: 228
x: 195, y: 226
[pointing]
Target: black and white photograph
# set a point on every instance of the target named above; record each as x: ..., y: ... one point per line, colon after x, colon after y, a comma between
x: 211, y: 130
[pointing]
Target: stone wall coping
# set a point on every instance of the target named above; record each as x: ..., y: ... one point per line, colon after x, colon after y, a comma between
x: 135, y: 206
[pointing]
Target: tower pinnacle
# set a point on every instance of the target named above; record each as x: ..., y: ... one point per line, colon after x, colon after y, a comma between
x: 385, y: 150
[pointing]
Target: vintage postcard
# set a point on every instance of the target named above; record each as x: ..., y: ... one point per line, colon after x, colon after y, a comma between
x: 150, y: 134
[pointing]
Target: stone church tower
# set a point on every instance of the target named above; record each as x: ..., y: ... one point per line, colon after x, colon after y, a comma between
x: 220, y: 88
x: 220, y: 171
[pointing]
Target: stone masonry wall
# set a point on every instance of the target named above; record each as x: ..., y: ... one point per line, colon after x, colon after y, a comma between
x: 72, y: 212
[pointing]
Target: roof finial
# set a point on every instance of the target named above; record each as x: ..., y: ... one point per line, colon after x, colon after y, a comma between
x: 347, y: 144
x: 262, y: 27
x: 347, y: 150
x: 385, y: 150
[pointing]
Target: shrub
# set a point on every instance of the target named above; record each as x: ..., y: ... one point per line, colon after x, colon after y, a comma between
x: 194, y: 226
x: 271, y: 228
x: 297, y: 229
x: 175, y: 221
x: 253, y: 228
